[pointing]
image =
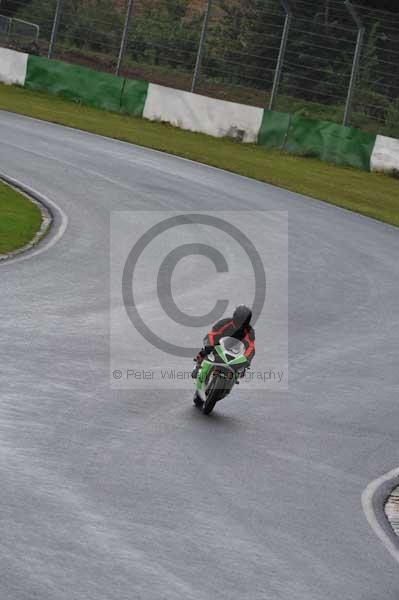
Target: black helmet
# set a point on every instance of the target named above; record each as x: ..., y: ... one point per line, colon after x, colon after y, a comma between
x: 242, y: 316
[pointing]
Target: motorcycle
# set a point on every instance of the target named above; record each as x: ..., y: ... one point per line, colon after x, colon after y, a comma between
x: 219, y: 373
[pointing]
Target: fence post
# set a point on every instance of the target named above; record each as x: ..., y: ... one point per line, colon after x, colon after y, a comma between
x: 201, y: 46
x: 356, y: 59
x: 281, y: 54
x: 125, y: 33
x: 56, y: 25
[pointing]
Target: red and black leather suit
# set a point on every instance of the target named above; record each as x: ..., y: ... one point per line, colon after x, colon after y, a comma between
x: 224, y: 328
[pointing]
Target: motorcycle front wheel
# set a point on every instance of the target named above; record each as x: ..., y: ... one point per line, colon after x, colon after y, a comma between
x: 214, y: 394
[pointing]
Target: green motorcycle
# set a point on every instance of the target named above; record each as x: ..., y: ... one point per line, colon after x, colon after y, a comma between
x: 219, y: 372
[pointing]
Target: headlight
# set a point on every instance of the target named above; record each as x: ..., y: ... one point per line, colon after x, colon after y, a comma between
x: 211, y: 357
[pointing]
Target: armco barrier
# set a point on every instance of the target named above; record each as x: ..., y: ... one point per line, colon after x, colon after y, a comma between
x: 295, y: 134
x: 274, y: 129
x: 330, y: 142
x: 79, y: 84
x: 320, y: 139
x: 13, y: 66
x: 134, y: 94
x: 202, y: 114
x: 385, y: 156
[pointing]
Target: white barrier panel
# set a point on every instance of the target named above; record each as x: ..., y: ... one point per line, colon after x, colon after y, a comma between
x: 201, y: 114
x: 13, y: 66
x: 385, y: 156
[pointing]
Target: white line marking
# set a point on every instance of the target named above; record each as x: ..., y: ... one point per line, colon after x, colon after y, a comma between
x: 57, y: 231
x: 368, y: 508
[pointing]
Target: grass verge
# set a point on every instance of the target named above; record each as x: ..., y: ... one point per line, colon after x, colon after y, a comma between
x: 20, y: 219
x: 371, y: 194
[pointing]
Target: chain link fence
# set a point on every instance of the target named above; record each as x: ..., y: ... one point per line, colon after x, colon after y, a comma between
x: 331, y: 60
x: 17, y: 32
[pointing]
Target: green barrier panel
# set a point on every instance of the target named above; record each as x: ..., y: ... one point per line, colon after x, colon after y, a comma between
x: 274, y: 129
x: 79, y: 84
x: 330, y: 142
x: 133, y: 97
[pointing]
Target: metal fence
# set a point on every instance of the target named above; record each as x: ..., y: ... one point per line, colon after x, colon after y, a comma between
x: 18, y: 31
x: 4, y: 26
x: 330, y: 59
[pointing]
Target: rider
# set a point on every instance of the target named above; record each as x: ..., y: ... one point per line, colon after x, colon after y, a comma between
x: 238, y: 326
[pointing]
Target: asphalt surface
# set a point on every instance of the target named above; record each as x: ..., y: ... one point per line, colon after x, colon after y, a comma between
x: 121, y: 495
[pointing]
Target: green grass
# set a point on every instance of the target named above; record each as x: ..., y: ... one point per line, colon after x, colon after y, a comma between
x: 371, y: 194
x: 20, y: 219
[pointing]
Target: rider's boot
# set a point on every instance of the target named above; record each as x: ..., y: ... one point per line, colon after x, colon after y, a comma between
x: 195, y: 371
x: 197, y: 400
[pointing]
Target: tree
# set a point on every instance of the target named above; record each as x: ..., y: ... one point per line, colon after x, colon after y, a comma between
x: 10, y: 7
x: 163, y: 33
x: 92, y: 24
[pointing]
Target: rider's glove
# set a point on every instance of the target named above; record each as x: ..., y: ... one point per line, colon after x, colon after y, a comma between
x: 200, y: 356
x: 203, y: 353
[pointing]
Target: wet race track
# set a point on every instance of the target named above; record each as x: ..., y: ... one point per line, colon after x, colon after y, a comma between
x: 115, y: 494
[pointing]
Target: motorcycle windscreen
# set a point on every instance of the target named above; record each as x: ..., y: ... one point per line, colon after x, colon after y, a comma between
x: 232, y: 346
